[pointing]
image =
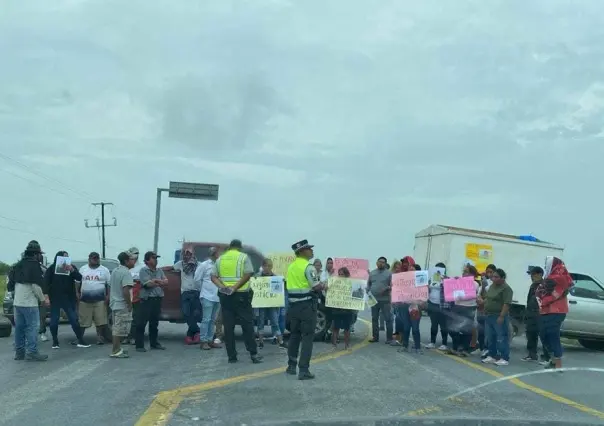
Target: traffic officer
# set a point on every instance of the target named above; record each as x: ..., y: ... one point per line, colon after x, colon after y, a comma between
x: 303, y: 287
x: 231, y: 274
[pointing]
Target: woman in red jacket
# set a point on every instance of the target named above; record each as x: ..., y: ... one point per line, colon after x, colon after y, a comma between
x: 553, y: 306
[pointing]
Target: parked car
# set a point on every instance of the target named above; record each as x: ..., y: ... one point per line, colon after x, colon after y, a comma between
x: 7, y: 304
x: 585, y: 318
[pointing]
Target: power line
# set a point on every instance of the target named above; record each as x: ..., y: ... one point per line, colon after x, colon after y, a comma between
x: 46, y: 236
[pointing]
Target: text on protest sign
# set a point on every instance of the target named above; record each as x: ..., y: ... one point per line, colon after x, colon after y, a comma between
x: 281, y: 262
x: 357, y: 267
x: 269, y: 292
x: 463, y: 288
x: 404, y: 289
x: 345, y: 293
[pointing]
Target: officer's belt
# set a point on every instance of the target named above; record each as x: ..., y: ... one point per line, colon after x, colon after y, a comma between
x: 299, y: 297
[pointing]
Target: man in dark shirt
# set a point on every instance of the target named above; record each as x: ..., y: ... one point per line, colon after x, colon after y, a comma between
x: 151, y: 296
x: 532, y: 318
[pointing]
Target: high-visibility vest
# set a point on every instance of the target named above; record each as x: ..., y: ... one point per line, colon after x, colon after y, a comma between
x: 231, y: 267
x: 298, y: 288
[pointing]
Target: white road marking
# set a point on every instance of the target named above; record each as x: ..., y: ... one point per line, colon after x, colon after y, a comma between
x: 28, y: 396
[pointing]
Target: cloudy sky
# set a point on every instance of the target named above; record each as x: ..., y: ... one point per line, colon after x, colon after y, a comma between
x: 352, y: 124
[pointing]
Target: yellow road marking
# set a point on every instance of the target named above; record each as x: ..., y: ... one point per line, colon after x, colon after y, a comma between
x: 531, y: 388
x: 166, y: 402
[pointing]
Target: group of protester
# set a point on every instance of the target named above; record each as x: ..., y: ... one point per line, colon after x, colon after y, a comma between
x: 479, y: 326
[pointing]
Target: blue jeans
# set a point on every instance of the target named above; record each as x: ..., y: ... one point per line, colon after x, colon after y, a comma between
x: 549, y: 329
x: 283, y: 315
x: 27, y: 324
x: 55, y: 314
x: 409, y: 326
x: 498, y: 340
x: 273, y: 318
x: 190, y: 306
x: 209, y: 311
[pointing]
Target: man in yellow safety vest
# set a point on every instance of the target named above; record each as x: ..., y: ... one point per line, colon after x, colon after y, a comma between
x: 231, y: 274
x: 303, y: 287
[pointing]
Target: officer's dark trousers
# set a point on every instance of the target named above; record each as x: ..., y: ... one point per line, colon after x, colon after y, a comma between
x: 303, y: 319
x: 148, y: 311
x: 237, y: 309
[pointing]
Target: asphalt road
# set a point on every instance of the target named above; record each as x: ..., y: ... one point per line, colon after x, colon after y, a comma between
x: 185, y: 386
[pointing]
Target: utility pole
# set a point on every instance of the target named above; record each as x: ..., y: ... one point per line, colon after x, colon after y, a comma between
x: 102, y: 224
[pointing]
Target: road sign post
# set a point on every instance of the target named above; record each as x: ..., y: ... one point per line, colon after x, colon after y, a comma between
x: 187, y: 190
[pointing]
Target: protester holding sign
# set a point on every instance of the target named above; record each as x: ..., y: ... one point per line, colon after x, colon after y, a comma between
x: 463, y: 292
x: 272, y: 313
x: 438, y: 308
x: 342, y: 319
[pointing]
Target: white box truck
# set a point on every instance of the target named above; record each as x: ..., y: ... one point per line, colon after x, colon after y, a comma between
x: 513, y: 253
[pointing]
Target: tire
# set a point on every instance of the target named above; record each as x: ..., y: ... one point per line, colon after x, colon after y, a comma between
x: 321, y: 327
x: 6, y: 330
x: 594, y: 345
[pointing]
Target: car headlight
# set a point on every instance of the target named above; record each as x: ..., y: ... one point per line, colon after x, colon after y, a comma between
x: 8, y: 296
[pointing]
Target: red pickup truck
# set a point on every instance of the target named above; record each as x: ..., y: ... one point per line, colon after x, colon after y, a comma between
x: 171, y: 304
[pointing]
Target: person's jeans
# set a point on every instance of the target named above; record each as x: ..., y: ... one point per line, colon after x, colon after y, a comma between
x: 27, y: 324
x: 497, y: 337
x: 409, y: 326
x: 283, y: 314
x: 43, y: 311
x: 437, y: 319
x: 381, y: 309
x: 549, y: 329
x: 480, y: 319
x: 149, y: 311
x: 273, y: 318
x: 209, y: 311
x: 189, y: 303
x: 69, y: 307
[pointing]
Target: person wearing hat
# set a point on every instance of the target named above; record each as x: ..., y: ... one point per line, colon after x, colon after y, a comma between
x: 93, y: 296
x: 151, y: 295
x: 231, y: 274
x: 531, y: 319
x: 302, y: 286
x: 133, y: 252
x: 28, y: 284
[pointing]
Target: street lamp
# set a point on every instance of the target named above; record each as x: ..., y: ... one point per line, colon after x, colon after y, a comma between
x: 189, y: 190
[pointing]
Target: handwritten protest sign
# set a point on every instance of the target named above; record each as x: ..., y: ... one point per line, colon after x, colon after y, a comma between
x: 357, y: 267
x: 269, y: 292
x: 463, y: 288
x: 281, y: 262
x: 404, y: 289
x: 345, y: 293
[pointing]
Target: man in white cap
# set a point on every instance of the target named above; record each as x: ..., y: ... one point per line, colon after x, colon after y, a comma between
x: 134, y: 293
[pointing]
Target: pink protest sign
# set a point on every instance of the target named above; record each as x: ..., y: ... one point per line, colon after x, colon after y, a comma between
x: 463, y: 288
x: 358, y: 267
x: 404, y: 289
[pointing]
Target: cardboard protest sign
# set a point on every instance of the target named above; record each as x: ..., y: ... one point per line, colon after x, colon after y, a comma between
x: 405, y: 290
x: 479, y: 255
x: 345, y: 293
x: 463, y: 288
x: 357, y: 267
x: 269, y: 292
x: 281, y: 262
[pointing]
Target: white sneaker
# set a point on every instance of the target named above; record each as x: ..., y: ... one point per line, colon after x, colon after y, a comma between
x: 476, y: 352
x: 430, y: 346
x: 501, y: 362
x: 217, y: 341
x: 489, y: 360
x: 443, y: 348
x: 43, y: 337
x: 485, y: 352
